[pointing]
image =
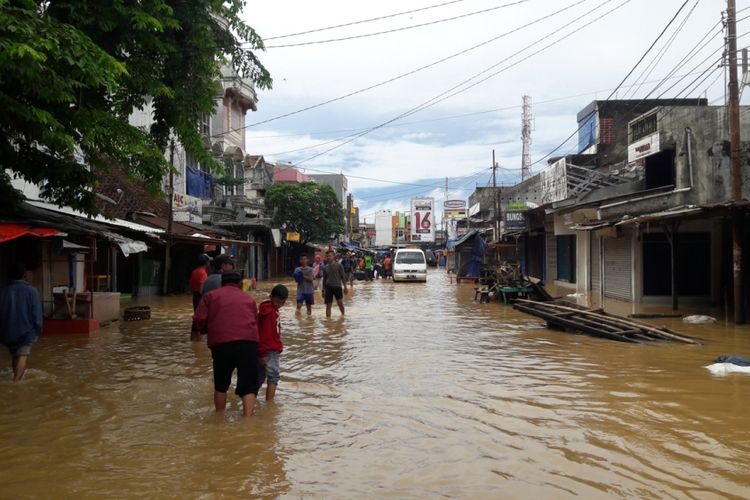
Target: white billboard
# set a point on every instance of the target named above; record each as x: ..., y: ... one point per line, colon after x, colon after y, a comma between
x: 423, y: 220
x: 383, y: 228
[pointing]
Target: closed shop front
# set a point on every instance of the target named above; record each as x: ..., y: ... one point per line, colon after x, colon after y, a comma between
x: 535, y: 256
x: 618, y: 282
x: 595, y: 263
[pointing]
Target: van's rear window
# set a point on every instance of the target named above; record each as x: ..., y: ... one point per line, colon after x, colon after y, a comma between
x: 410, y: 258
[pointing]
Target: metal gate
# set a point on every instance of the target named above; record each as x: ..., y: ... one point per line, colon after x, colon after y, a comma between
x: 617, y: 268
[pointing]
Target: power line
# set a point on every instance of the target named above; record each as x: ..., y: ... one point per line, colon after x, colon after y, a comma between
x: 408, y: 73
x: 437, y: 185
x: 403, y: 28
x: 434, y: 100
x: 462, y: 115
x: 364, y: 20
x: 660, y: 55
x: 618, y: 86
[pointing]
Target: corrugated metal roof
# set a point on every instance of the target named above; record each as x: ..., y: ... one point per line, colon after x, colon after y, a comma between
x: 112, y: 222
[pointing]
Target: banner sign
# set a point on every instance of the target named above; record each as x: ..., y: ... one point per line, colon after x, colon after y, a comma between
x: 423, y: 220
x: 454, y: 204
x: 454, y: 214
x: 187, y: 208
x: 515, y: 221
x: 644, y: 147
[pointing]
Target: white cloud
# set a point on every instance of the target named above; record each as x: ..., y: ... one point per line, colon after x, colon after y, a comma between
x: 595, y: 59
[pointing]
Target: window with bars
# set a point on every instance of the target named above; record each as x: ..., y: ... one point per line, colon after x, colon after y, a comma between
x: 205, y: 127
x: 643, y: 127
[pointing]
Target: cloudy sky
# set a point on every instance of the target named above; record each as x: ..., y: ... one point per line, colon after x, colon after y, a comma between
x: 403, y: 138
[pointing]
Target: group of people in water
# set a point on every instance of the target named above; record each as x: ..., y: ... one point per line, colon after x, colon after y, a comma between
x: 245, y: 336
x: 242, y: 335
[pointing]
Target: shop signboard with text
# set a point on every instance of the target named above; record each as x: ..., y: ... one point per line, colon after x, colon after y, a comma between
x: 187, y: 208
x: 423, y: 220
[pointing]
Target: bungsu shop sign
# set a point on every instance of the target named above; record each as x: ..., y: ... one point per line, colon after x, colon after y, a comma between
x: 454, y: 204
x: 515, y: 221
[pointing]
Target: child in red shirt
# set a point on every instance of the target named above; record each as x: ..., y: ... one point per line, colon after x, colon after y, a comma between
x: 269, y: 345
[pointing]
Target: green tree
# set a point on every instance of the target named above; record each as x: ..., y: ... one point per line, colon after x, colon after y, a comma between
x: 72, y: 72
x: 308, y: 208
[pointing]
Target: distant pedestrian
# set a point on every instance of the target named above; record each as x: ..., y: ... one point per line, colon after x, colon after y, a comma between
x: 368, y: 267
x: 318, y: 266
x: 348, y: 264
x: 334, y: 284
x: 221, y: 264
x: 387, y: 266
x: 21, y: 318
x: 197, y: 278
x: 269, y: 344
x: 229, y: 317
x: 303, y: 275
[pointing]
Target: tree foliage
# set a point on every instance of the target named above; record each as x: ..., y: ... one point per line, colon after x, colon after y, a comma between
x: 72, y: 73
x: 310, y: 209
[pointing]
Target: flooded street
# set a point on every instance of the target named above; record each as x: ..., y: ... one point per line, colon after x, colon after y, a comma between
x: 417, y: 392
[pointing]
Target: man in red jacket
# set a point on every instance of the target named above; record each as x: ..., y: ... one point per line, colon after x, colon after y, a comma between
x: 270, y: 346
x: 230, y: 318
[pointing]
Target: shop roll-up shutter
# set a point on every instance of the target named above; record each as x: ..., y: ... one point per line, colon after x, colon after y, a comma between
x: 617, y: 264
x: 595, y: 263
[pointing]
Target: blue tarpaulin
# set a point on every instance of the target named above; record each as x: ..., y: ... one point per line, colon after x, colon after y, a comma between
x: 587, y: 132
x: 199, y: 184
x: 477, y: 256
x: 454, y: 243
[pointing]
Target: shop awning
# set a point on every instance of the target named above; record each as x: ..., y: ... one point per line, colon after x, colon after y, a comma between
x: 659, y: 216
x: 12, y: 231
x: 205, y: 240
x: 127, y: 245
x: 454, y: 243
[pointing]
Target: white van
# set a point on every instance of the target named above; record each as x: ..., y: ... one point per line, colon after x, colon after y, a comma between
x: 409, y: 264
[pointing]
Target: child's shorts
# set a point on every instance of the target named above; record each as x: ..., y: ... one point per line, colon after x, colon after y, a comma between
x: 307, y: 298
x: 271, y: 370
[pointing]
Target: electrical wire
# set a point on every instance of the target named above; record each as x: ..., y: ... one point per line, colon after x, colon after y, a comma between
x: 618, y: 86
x: 408, y: 73
x: 380, y: 18
x: 395, y: 30
x: 447, y: 94
x: 462, y: 115
x: 646, y: 73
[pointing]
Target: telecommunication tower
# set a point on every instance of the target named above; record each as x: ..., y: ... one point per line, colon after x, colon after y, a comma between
x: 526, y: 136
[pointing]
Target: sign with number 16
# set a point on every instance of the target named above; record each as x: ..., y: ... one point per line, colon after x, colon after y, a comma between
x: 423, y: 224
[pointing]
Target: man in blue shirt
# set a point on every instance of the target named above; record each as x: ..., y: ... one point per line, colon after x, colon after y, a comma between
x: 20, y: 318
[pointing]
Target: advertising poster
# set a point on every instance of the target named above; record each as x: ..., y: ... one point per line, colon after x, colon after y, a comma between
x: 422, y: 220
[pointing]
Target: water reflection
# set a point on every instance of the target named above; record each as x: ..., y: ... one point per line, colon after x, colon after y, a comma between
x: 417, y: 391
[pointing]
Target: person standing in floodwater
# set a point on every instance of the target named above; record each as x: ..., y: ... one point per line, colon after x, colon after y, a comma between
x: 197, y: 278
x: 269, y: 344
x: 230, y: 318
x: 334, y: 279
x: 21, y: 318
x: 303, y: 275
x: 317, y: 270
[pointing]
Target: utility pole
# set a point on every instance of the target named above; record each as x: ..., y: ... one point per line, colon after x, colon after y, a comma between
x: 170, y: 218
x: 494, y: 198
x: 444, y: 223
x: 349, y: 206
x: 734, y: 139
x: 526, y: 136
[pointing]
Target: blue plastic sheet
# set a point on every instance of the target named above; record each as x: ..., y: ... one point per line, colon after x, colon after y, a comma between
x: 199, y: 184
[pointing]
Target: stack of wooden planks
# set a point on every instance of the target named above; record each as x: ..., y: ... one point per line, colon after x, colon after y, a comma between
x: 596, y: 322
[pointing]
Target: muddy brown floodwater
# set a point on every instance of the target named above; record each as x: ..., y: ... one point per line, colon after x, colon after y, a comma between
x: 418, y: 392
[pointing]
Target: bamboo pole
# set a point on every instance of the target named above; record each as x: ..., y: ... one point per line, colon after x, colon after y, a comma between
x: 617, y: 319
